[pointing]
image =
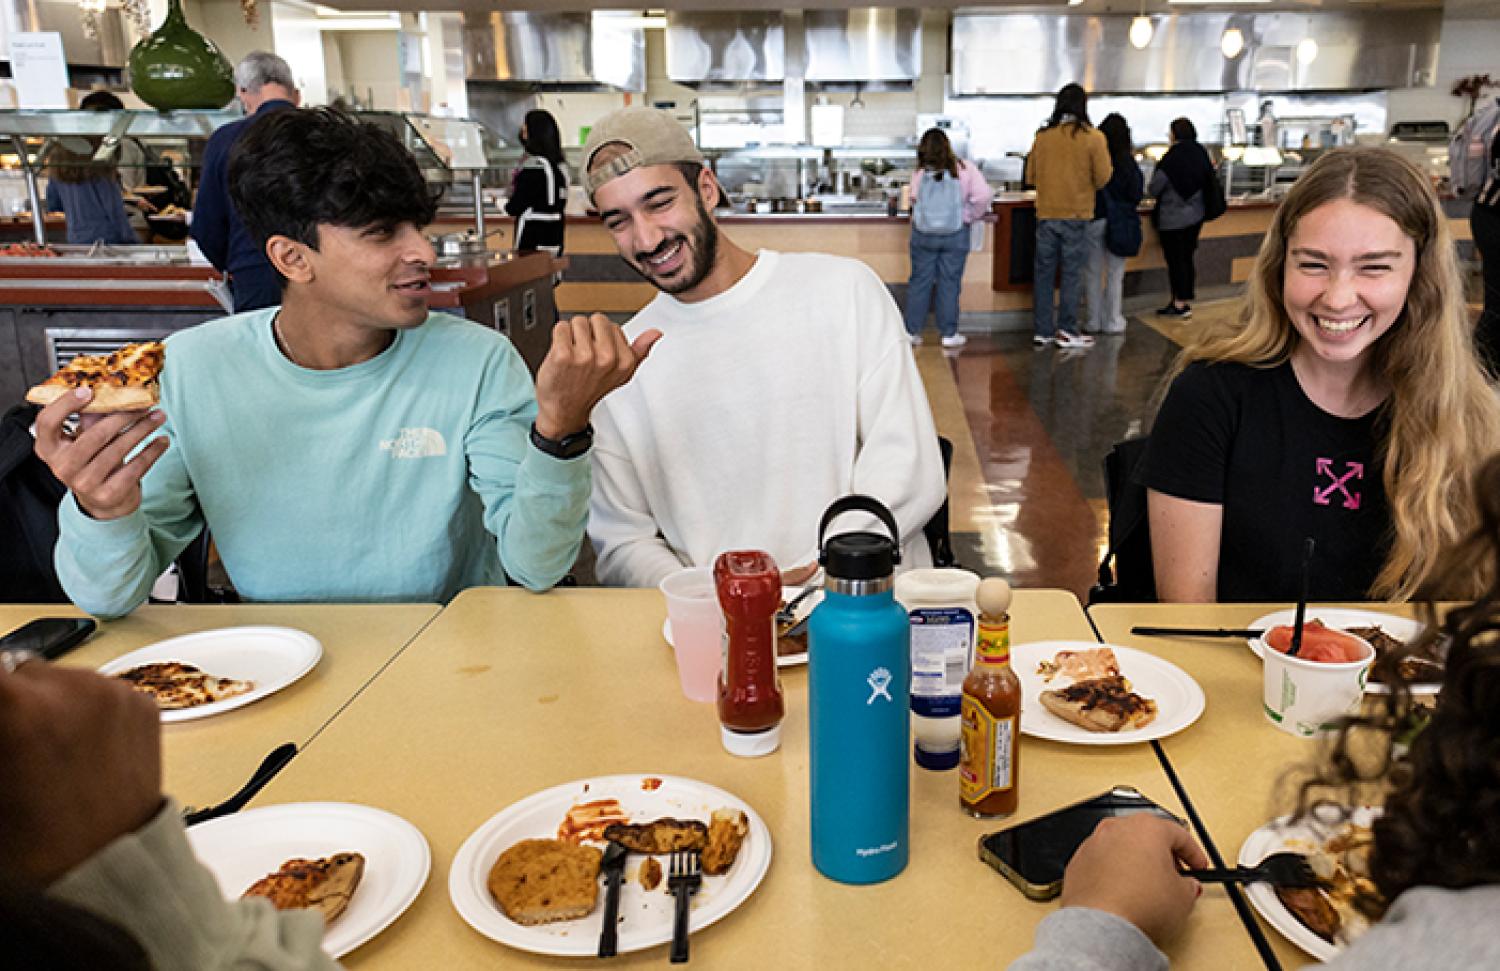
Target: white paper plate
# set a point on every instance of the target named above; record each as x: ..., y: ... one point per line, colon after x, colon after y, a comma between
x: 1179, y: 699
x: 241, y: 848
x: 646, y: 916
x: 1401, y: 628
x: 1282, y: 834
x: 787, y: 595
x: 272, y: 657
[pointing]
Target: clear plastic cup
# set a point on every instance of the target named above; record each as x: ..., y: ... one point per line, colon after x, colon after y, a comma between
x: 1304, y: 697
x: 697, y: 630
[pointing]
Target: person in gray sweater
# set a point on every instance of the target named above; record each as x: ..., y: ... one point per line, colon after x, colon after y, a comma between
x: 1435, y: 863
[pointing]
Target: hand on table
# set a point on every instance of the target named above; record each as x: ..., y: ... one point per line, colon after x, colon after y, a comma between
x: 588, y: 359
x: 797, y: 576
x: 1129, y: 868
x: 80, y: 766
x: 93, y: 464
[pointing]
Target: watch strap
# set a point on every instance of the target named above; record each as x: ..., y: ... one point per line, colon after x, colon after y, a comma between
x: 567, y: 447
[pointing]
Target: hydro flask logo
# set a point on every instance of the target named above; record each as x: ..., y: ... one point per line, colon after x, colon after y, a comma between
x: 880, y: 683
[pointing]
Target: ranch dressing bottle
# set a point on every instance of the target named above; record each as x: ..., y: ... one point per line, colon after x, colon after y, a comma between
x: 941, y: 608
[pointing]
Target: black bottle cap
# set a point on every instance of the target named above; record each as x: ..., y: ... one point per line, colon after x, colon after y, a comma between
x: 859, y: 556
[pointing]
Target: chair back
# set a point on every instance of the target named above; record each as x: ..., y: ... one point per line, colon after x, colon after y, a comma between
x: 1126, y: 574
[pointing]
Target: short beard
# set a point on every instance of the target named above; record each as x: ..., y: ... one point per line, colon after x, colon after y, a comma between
x: 702, y: 245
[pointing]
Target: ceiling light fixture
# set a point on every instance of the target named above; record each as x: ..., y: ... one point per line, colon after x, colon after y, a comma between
x: 1307, y: 51
x: 1141, y: 30
x: 1232, y: 43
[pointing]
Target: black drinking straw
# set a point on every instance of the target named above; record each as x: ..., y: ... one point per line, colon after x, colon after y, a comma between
x: 1307, y: 555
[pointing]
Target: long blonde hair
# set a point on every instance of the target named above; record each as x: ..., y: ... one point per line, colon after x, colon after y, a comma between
x: 1443, y: 416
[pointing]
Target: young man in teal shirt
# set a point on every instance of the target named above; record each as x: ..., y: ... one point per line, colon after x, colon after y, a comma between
x: 349, y: 445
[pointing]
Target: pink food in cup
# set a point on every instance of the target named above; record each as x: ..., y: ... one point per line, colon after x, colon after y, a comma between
x: 1319, y: 644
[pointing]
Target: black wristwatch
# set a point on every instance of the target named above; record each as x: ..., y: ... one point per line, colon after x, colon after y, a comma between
x: 567, y: 447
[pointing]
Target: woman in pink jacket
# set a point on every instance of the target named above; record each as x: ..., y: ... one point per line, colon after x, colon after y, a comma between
x: 948, y: 194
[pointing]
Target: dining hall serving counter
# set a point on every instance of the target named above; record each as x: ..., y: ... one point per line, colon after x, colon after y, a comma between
x: 206, y: 760
x: 508, y: 693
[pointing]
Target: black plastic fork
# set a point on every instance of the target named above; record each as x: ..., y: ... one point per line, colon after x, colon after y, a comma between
x: 683, y: 879
x: 1278, y: 869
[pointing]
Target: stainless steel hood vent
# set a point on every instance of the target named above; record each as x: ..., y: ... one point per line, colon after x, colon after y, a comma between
x: 864, y: 44
x: 725, y: 47
x: 604, y: 49
x: 1007, y: 54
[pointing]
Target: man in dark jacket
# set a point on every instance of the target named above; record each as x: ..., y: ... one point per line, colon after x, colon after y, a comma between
x: 265, y: 85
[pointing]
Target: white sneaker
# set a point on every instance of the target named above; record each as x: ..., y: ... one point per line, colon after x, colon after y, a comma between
x: 916, y: 339
x: 1040, y: 341
x: 1067, y: 338
x: 956, y: 340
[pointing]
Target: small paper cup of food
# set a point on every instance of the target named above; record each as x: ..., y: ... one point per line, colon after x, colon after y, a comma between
x: 1304, y: 695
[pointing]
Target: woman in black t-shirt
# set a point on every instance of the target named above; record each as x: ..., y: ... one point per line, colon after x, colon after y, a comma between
x: 1347, y: 404
x: 539, y: 191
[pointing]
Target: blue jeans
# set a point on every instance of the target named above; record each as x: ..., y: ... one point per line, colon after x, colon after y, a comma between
x: 940, y: 259
x: 1065, y: 242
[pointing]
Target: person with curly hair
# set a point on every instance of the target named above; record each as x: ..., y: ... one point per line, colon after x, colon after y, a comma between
x: 1347, y: 404
x: 1435, y: 862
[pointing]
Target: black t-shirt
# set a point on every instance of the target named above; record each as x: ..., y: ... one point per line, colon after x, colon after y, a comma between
x: 1249, y: 439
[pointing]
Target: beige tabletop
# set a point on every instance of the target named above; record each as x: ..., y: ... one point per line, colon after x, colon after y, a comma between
x: 1234, y: 764
x: 208, y: 759
x: 508, y: 693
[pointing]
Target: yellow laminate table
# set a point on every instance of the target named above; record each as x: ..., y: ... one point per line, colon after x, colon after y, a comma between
x: 508, y: 693
x: 206, y: 760
x: 1234, y: 763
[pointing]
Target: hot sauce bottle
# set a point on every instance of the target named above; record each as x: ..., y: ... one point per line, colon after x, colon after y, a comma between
x: 750, y: 702
x: 988, y: 768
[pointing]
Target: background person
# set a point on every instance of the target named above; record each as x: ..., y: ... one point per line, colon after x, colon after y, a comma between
x: 782, y: 381
x: 955, y: 196
x: 264, y: 84
x: 89, y: 193
x: 1484, y: 221
x: 1177, y: 185
x: 1435, y: 859
x: 539, y: 189
x: 1118, y: 238
x: 1347, y: 404
x: 1068, y: 163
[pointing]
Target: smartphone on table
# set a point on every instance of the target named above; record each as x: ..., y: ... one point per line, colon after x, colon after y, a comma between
x: 1033, y: 855
x: 51, y: 637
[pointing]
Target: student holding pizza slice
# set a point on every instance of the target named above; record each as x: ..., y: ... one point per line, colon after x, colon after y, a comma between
x: 349, y: 445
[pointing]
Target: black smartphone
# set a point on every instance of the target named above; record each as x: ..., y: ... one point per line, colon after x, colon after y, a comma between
x: 1033, y: 854
x: 51, y: 637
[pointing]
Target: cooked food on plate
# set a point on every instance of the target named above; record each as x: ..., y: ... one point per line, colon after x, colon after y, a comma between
x: 324, y: 885
x: 541, y: 881
x: 1325, y: 645
x: 589, y: 820
x: 1425, y: 667
x: 1098, y: 662
x: 125, y: 380
x: 1100, y: 704
x: 726, y: 834
x: 1342, y: 863
x: 176, y: 685
x: 28, y: 249
x: 651, y: 873
x: 659, y: 835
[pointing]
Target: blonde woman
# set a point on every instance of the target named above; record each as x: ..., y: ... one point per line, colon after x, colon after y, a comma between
x: 1347, y: 405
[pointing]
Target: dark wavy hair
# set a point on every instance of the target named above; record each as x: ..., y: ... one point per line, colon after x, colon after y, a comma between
x: 297, y: 169
x: 1440, y: 771
x: 935, y: 153
x: 542, y: 137
x: 1184, y: 130
x: 1071, y: 100
x: 1117, y: 135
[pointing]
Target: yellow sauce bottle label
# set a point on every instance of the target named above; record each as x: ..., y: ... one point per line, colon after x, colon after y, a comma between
x: 993, y: 643
x: 984, y: 765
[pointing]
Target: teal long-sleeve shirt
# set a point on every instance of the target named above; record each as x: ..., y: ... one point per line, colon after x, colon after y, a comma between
x: 407, y: 477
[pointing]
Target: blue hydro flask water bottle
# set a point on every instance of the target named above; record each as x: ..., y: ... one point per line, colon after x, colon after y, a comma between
x: 859, y: 688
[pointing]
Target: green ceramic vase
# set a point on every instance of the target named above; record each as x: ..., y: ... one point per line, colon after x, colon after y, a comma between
x: 177, y: 67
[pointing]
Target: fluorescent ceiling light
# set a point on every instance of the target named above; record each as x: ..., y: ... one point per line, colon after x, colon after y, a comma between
x: 1140, y: 32
x: 1232, y: 43
x: 1307, y: 50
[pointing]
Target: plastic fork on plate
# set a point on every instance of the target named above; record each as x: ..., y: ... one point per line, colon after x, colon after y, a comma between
x: 787, y: 615
x: 1278, y: 869
x: 684, y: 878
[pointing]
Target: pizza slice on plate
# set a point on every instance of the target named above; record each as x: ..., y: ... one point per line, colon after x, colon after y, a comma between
x: 125, y: 380
x: 176, y: 685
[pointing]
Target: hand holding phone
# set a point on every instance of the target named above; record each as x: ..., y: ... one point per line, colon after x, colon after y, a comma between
x: 1130, y: 867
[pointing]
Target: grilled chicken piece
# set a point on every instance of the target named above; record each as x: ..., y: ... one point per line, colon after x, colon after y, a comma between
x: 323, y: 885
x: 660, y: 835
x: 1313, y: 908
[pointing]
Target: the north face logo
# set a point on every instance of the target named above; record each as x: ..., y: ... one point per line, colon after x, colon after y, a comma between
x: 415, y: 443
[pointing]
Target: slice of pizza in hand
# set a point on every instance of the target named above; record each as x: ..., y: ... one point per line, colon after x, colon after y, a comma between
x: 323, y: 885
x: 123, y: 381
x: 176, y: 685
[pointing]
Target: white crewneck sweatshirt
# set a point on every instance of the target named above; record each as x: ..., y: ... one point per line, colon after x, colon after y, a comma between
x: 755, y: 411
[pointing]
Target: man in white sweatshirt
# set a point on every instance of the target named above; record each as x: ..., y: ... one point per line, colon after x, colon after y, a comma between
x: 782, y: 381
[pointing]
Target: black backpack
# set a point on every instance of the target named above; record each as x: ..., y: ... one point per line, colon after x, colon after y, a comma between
x: 29, y: 497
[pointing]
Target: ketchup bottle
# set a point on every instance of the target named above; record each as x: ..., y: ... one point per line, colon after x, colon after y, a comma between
x: 750, y: 702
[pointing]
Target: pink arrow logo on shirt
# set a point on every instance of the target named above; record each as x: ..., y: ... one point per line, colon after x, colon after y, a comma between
x: 1339, y: 483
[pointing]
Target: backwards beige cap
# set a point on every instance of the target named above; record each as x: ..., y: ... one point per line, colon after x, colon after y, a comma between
x: 650, y: 137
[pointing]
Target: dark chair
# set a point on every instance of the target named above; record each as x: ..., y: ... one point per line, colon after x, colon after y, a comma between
x: 29, y: 496
x: 1126, y: 574
x: 194, y: 579
x: 936, y: 530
